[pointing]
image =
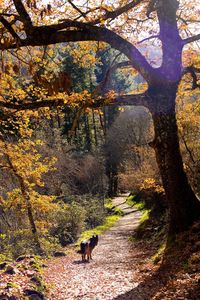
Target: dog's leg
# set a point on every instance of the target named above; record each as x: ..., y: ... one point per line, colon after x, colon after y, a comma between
x: 88, y: 254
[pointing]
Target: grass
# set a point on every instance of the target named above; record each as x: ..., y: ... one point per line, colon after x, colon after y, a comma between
x: 113, y: 209
x: 145, y: 215
x: 109, y: 222
x: 5, y: 257
x: 115, y: 214
x: 139, y: 205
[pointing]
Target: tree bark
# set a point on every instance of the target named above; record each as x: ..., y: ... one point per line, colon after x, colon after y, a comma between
x: 184, y: 207
x: 87, y: 145
x: 112, y: 174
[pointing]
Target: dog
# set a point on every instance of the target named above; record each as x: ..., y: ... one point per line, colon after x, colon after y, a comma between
x: 87, y: 247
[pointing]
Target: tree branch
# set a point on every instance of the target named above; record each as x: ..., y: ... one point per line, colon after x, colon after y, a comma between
x: 192, y: 71
x: 46, y: 35
x: 135, y: 99
x: 131, y: 100
x: 149, y: 38
x: 4, y: 167
x: 32, y: 105
x: 8, y: 26
x: 110, y: 70
x: 191, y: 39
x: 24, y: 16
x: 77, y: 9
x: 188, y: 149
x: 116, y: 13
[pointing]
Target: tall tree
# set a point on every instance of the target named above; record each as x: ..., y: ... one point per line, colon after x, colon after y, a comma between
x: 22, y: 25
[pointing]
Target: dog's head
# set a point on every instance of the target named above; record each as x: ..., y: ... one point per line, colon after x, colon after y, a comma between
x: 95, y: 239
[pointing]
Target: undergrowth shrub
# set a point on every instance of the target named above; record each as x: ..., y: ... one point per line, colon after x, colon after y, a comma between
x: 60, y: 227
x: 152, y: 202
x: 81, y: 212
x: 95, y: 212
x: 16, y: 243
x: 68, y: 223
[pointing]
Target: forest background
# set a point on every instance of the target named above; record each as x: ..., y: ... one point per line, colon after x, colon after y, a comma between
x: 66, y: 140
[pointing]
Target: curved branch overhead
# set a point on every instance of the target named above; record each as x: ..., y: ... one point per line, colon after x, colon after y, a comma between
x: 127, y: 100
x: 96, y: 29
x: 62, y: 32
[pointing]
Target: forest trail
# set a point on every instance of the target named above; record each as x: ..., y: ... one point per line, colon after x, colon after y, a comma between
x: 108, y: 275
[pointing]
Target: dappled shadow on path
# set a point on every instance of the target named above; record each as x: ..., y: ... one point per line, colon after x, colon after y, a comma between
x: 129, y: 211
x: 147, y: 288
x: 79, y: 262
x: 169, y: 280
x: 121, y: 269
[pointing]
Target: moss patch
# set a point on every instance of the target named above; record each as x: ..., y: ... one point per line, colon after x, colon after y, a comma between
x: 159, y: 254
x: 131, y: 200
x: 109, y: 222
x: 111, y: 209
x: 115, y: 213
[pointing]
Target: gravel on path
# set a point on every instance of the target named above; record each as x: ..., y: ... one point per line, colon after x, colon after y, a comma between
x: 108, y: 275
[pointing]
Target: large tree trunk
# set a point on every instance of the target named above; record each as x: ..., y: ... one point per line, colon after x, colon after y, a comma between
x: 183, y: 205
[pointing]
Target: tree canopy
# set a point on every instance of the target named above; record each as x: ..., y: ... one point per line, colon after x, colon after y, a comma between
x: 134, y: 28
x: 160, y: 42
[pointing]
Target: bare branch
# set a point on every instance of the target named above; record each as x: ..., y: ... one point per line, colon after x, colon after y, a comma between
x: 16, y: 17
x: 53, y: 34
x: 76, y: 119
x: 77, y: 9
x: 8, y: 15
x: 186, y: 21
x: 24, y: 16
x: 192, y: 71
x: 188, y: 149
x: 4, y: 167
x: 149, y: 38
x: 87, y: 13
x: 8, y: 26
x: 191, y: 39
x: 110, y: 71
x: 18, y: 57
x: 119, y: 11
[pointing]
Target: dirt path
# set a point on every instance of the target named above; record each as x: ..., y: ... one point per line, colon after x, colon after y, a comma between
x: 111, y: 272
